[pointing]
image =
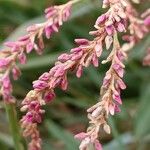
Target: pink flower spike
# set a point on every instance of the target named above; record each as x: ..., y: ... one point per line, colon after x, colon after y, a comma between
x: 59, y: 72
x: 50, y: 12
x: 106, y: 80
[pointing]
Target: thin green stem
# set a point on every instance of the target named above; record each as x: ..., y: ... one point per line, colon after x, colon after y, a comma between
x: 14, y: 126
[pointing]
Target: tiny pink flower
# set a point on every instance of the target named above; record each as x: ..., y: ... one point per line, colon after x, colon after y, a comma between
x: 6, y: 81
x: 81, y: 136
x: 111, y: 109
x: 50, y: 12
x: 117, y: 98
x: 45, y: 76
x: 81, y: 41
x: 40, y: 85
x: 119, y: 70
x: 109, y: 30
x: 34, y: 105
x: 59, y: 72
x: 24, y: 38
x: 64, y: 83
x: 98, y: 49
x: 95, y: 60
x: 79, y: 71
x: 4, y: 62
x: 121, y: 84
x: 77, y: 56
x: 22, y: 58
x: 32, y: 28
x: 147, y: 21
x: 100, y: 19
x: 48, y: 31
x: 97, y: 145
x: 76, y: 50
x: 117, y: 109
x: 29, y: 47
x: 49, y: 96
x: 120, y: 27
x: 16, y: 72
x: 13, y: 45
x: 64, y: 57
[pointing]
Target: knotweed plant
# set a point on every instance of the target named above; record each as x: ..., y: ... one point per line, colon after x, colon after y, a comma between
x: 120, y: 18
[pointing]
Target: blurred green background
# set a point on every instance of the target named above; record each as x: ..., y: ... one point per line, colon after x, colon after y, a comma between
x: 66, y: 116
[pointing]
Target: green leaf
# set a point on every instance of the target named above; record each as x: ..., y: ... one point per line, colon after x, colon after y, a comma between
x: 6, y: 139
x: 142, y: 122
x: 139, y: 50
x: 116, y: 133
x: 126, y: 138
x: 60, y: 134
x: 37, y: 62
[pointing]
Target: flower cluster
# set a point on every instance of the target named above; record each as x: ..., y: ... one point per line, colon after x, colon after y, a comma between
x: 16, y: 51
x: 79, y: 57
x: 110, y: 95
x: 110, y: 98
x: 85, y: 54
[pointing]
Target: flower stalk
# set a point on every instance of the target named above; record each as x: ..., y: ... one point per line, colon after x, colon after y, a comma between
x: 14, y: 126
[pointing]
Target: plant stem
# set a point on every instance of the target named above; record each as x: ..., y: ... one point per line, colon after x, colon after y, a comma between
x: 14, y: 126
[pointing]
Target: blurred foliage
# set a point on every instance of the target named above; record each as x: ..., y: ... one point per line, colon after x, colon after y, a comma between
x: 130, y: 128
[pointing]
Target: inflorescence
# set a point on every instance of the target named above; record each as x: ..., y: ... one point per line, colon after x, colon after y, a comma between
x: 120, y: 17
